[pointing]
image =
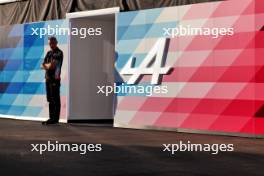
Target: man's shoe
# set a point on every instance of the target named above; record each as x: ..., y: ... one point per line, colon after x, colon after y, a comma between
x: 49, y: 122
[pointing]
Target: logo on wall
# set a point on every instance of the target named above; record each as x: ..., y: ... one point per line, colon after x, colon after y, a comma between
x: 153, y: 64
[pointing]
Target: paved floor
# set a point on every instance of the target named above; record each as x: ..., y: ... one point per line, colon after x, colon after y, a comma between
x: 125, y: 152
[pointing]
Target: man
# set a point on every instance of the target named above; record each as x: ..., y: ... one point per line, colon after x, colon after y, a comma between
x: 52, y: 65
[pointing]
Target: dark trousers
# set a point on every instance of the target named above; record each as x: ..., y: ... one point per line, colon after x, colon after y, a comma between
x: 53, y: 97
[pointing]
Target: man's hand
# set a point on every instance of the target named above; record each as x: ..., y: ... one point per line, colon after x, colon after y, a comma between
x: 46, y: 66
x: 42, y: 66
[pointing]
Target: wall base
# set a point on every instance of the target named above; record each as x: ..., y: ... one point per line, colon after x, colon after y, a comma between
x: 29, y: 118
x: 181, y: 130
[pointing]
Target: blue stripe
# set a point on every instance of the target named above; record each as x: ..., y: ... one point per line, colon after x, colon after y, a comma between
x: 123, y: 59
x: 138, y: 17
x: 11, y: 53
x: 32, y: 111
x: 126, y: 18
x: 144, y: 30
x: 36, y: 52
x: 28, y: 88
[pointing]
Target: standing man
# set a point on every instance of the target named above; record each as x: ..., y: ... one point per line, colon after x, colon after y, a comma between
x: 52, y: 65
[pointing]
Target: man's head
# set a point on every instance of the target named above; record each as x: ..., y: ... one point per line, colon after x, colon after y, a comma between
x: 53, y: 42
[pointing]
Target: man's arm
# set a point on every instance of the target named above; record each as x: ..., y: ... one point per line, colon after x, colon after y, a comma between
x: 45, y: 65
x: 57, y: 65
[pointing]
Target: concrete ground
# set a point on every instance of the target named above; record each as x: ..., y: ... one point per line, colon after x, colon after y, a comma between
x: 125, y: 152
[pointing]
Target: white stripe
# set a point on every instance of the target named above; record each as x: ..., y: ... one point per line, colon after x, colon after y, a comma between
x: 29, y: 118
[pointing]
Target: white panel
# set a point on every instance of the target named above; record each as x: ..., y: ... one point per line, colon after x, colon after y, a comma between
x: 91, y: 64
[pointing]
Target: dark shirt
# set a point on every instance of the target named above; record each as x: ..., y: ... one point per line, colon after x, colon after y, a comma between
x: 56, y: 58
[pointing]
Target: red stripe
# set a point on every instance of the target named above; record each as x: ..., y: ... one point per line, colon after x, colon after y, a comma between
x: 213, y: 74
x: 202, y: 106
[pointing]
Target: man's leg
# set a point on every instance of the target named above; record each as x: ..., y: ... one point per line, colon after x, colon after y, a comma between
x: 51, y: 110
x: 49, y: 100
x: 51, y: 95
x: 57, y: 110
x: 57, y: 102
